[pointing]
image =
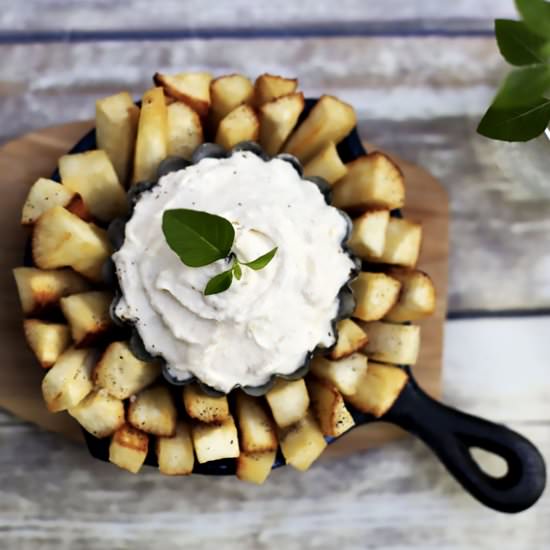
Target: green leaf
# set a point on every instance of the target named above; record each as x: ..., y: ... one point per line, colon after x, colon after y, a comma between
x: 262, y: 261
x: 237, y: 271
x: 536, y: 14
x: 519, y: 45
x: 198, y: 238
x: 219, y: 283
x: 523, y: 86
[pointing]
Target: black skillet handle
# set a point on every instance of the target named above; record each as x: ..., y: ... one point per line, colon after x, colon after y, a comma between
x: 451, y: 434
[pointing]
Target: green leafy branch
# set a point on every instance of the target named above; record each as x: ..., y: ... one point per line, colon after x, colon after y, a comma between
x: 200, y: 238
x: 521, y: 109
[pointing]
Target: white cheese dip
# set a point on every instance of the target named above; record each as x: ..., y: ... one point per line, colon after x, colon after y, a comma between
x: 267, y: 322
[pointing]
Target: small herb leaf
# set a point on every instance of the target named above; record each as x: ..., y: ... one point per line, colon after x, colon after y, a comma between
x: 262, y: 261
x: 237, y: 271
x: 219, y: 283
x: 536, y: 14
x: 198, y: 238
x: 519, y: 45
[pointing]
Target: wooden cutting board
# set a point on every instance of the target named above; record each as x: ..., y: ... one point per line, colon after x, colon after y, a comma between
x: 25, y: 159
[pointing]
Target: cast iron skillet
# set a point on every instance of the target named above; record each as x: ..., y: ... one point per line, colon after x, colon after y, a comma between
x: 448, y: 432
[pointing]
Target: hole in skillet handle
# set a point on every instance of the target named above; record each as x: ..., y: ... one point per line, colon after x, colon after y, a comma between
x: 451, y: 434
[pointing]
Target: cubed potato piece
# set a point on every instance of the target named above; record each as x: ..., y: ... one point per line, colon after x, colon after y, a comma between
x: 41, y: 289
x: 345, y: 373
x: 47, y: 340
x: 395, y: 344
x: 269, y: 87
x: 99, y: 413
x: 375, y: 294
x: 93, y: 177
x: 302, y: 443
x: 153, y: 411
x: 379, y: 389
x: 328, y: 405
x: 256, y: 427
x: 215, y: 441
x: 226, y: 94
x: 175, y: 455
x: 116, y: 119
x: 128, y: 448
x: 255, y: 467
x: 372, y: 180
x: 192, y: 89
x: 289, y: 401
x: 69, y: 381
x: 368, y: 236
x: 417, y: 297
x: 184, y: 130
x: 88, y: 315
x: 326, y: 164
x: 277, y: 120
x: 78, y: 207
x: 329, y: 120
x: 351, y: 337
x: 43, y: 195
x: 61, y: 239
x: 152, y: 136
x: 121, y: 373
x: 241, y: 124
x: 403, y: 242
x: 204, y: 407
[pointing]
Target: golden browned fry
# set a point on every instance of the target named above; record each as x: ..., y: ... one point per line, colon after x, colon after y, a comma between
x: 328, y: 405
x: 326, y: 164
x: 375, y: 295
x: 302, y: 443
x: 289, y: 401
x: 345, y: 373
x: 204, y: 407
x: 227, y: 93
x: 269, y: 87
x: 116, y: 119
x: 40, y: 289
x: 175, y: 454
x: 329, y: 120
x: 368, y: 237
x: 403, y: 242
x: 43, y: 195
x: 255, y: 467
x: 88, y: 315
x: 351, y: 337
x: 69, y: 381
x: 192, y: 89
x: 379, y: 389
x: 61, y: 239
x: 99, y: 413
x: 395, y: 344
x: 121, y: 373
x: 372, y: 180
x: 184, y: 130
x: 152, y: 136
x: 256, y: 427
x: 153, y: 411
x: 215, y: 441
x: 277, y: 120
x: 128, y: 448
x: 241, y: 124
x: 47, y: 340
x: 417, y: 297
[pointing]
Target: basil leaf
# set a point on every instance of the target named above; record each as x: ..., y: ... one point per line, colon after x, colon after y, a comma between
x: 219, y: 283
x: 237, y: 271
x: 198, y: 238
x: 536, y: 14
x: 262, y: 261
x: 519, y: 45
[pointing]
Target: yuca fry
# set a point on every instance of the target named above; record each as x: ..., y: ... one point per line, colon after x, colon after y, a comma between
x: 128, y: 448
x: 326, y: 164
x: 44, y: 194
x: 403, y: 243
x: 379, y: 389
x: 329, y: 120
x: 116, y: 119
x: 226, y: 94
x: 175, y: 455
x: 204, y: 407
x: 395, y: 344
x: 269, y: 87
x: 152, y: 136
x: 345, y: 373
x: 417, y: 297
x: 288, y: 400
x: 351, y: 337
x: 328, y: 405
x: 193, y: 89
x: 256, y: 427
x: 153, y: 411
x: 215, y: 441
x: 277, y: 120
x: 241, y: 124
x: 184, y: 130
x: 47, y: 340
x: 255, y: 467
x: 375, y: 294
x: 368, y: 236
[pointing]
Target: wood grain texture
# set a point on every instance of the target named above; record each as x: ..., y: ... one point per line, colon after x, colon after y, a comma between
x: 36, y: 154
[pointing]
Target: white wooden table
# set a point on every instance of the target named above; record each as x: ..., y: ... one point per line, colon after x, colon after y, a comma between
x: 420, y: 74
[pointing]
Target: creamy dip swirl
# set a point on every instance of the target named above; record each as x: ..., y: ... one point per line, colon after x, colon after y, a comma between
x: 267, y: 322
